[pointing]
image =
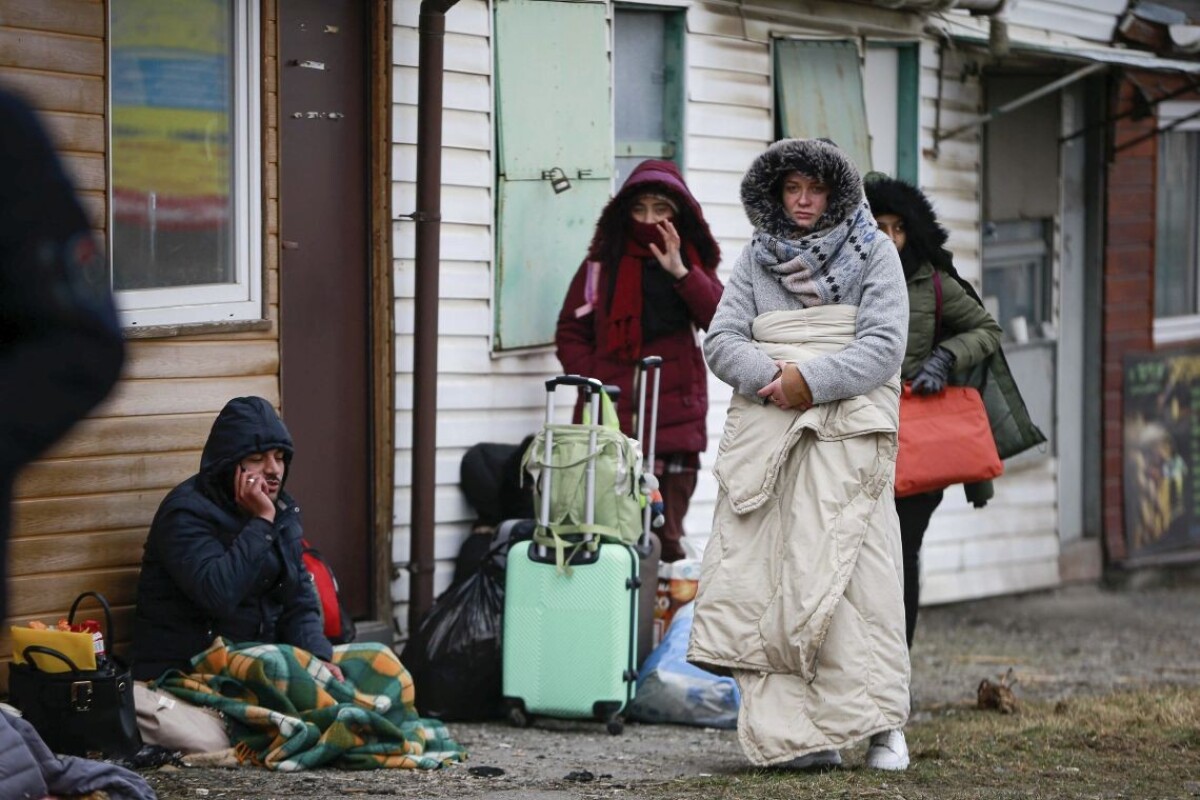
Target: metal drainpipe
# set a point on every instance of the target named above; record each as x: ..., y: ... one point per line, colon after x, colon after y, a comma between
x: 428, y: 216
x: 933, y: 6
x: 980, y: 6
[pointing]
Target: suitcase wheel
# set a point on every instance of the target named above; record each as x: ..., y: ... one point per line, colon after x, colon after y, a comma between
x: 615, y: 726
x: 518, y: 718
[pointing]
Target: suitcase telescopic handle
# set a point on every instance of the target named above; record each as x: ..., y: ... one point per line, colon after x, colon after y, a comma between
x: 647, y: 407
x: 646, y: 366
x: 589, y: 385
x: 592, y: 389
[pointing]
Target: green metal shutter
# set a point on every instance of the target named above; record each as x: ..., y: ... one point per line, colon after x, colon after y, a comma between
x: 908, y: 110
x: 553, y: 112
x: 819, y: 93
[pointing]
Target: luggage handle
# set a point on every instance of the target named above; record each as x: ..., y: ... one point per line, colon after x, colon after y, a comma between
x: 645, y: 366
x: 48, y: 651
x: 591, y: 388
x: 108, y: 626
x: 589, y: 385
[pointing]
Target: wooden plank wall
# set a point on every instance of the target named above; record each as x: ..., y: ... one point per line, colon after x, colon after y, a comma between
x: 81, y: 513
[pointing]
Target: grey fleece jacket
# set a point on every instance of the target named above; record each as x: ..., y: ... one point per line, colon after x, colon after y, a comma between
x: 875, y: 284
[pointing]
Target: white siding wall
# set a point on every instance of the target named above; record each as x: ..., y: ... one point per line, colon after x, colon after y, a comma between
x: 1087, y: 19
x: 1046, y: 21
x: 729, y: 121
x: 1012, y: 544
x: 479, y: 398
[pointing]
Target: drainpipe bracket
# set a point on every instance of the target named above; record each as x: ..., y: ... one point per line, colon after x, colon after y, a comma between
x: 423, y: 216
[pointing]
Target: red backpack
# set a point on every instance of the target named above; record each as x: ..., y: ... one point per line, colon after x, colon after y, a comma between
x: 339, y: 628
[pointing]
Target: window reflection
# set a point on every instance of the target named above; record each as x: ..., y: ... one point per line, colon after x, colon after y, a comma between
x: 1177, y: 244
x: 1016, y: 277
x: 172, y: 142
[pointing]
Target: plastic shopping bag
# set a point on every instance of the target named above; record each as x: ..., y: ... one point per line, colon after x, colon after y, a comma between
x: 672, y: 690
x: 454, y: 656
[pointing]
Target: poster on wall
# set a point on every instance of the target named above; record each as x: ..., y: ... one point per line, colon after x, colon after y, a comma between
x: 1162, y: 453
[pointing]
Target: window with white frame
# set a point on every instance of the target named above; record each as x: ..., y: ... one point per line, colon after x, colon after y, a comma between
x: 185, y: 216
x: 1177, y: 236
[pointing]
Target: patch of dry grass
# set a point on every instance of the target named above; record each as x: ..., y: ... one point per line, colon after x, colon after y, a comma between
x: 1143, y: 744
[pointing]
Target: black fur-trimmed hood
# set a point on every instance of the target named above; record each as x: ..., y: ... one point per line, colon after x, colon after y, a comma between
x: 816, y: 158
x: 924, y: 235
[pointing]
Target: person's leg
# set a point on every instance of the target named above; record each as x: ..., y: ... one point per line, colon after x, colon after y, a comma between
x: 914, y: 513
x: 676, y: 482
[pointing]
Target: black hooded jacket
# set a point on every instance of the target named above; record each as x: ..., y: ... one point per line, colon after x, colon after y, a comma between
x: 209, y: 569
x: 60, y: 342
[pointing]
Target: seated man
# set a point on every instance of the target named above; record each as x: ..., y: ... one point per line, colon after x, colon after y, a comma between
x: 223, y: 557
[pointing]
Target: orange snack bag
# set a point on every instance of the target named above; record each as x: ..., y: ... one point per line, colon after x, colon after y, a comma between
x: 63, y: 625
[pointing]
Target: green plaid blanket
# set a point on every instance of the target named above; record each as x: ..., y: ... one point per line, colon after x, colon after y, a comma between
x: 286, y: 711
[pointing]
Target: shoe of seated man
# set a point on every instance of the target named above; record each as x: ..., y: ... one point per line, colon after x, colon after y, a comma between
x: 888, y: 750
x: 818, y: 760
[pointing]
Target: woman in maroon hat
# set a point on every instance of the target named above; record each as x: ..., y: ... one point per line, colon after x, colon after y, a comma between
x: 648, y: 282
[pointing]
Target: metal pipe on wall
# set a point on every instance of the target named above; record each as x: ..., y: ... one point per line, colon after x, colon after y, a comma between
x: 428, y: 218
x: 934, y: 6
x: 980, y: 6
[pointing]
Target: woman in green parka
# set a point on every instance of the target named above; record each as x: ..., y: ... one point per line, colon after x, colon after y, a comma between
x: 962, y: 336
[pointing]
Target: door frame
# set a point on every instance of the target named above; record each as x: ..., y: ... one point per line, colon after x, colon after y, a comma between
x: 381, y: 341
x: 382, y: 304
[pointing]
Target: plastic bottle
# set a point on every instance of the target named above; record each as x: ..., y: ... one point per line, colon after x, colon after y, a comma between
x: 93, y: 627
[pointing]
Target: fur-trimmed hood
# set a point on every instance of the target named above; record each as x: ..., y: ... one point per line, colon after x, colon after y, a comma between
x: 925, y: 238
x: 656, y: 177
x: 816, y: 158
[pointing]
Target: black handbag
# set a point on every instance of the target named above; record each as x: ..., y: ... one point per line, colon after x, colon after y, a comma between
x: 78, y: 712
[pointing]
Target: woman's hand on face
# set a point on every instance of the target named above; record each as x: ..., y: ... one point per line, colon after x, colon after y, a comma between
x: 250, y: 494
x: 670, y: 260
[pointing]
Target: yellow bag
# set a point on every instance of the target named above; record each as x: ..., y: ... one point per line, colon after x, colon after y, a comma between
x: 75, y: 646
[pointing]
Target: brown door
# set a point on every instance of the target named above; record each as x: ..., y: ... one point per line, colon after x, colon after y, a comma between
x: 324, y: 280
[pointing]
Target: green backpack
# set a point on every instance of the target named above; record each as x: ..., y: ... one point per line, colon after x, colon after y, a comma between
x: 619, y: 496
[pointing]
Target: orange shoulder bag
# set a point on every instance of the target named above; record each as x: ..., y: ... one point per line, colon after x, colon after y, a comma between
x: 945, y: 438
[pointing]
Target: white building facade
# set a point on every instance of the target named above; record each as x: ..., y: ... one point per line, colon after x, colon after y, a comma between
x: 591, y: 88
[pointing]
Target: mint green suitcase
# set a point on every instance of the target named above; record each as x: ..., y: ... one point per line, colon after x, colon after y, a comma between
x: 570, y: 640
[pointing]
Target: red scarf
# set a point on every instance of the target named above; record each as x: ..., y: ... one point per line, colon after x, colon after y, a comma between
x: 623, y: 339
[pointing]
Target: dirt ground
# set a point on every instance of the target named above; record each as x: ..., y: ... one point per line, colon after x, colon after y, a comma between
x: 1081, y: 640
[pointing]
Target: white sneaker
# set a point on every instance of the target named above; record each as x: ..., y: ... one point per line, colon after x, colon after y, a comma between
x: 888, y: 750
x: 821, y: 758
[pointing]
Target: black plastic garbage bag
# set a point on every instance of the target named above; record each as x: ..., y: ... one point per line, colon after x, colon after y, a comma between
x: 454, y: 656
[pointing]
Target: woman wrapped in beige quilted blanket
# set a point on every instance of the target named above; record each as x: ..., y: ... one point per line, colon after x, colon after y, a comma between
x: 800, y: 595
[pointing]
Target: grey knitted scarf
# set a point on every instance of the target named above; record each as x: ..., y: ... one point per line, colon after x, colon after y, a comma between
x: 816, y: 266
x: 813, y: 265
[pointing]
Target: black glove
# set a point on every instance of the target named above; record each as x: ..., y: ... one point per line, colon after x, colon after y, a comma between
x: 934, y: 372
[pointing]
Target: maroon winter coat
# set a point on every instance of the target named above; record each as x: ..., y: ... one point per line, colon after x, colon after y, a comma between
x: 683, y: 399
